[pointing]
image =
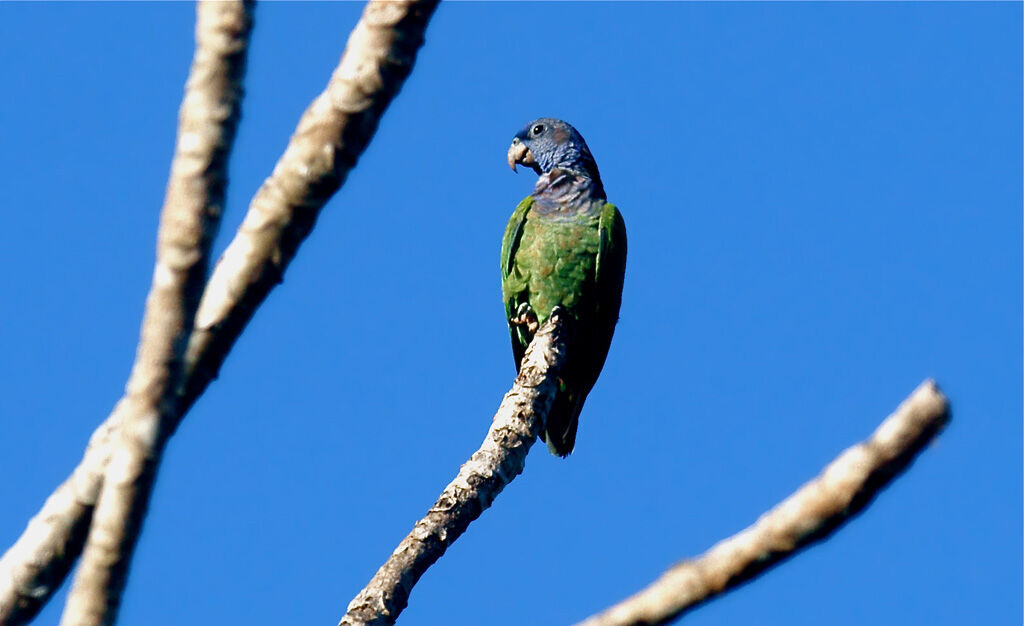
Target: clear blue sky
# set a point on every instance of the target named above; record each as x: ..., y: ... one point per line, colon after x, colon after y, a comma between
x: 824, y: 208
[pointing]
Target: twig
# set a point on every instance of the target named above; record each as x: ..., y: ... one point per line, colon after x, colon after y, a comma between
x: 332, y: 133
x: 815, y: 511
x: 41, y: 558
x: 500, y: 459
x: 188, y: 222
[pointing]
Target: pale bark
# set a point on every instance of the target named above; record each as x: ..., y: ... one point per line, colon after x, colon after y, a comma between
x: 817, y: 509
x: 42, y: 556
x: 179, y: 356
x: 331, y: 135
x: 36, y: 565
x: 500, y: 459
x: 188, y: 222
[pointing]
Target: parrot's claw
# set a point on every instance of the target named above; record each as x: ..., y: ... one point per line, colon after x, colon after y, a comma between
x: 525, y: 317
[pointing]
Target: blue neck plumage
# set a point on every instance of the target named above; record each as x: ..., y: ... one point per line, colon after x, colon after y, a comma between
x: 569, y: 182
x: 571, y: 157
x: 568, y: 192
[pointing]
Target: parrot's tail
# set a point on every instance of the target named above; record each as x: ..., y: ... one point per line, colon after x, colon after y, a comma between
x: 563, y: 419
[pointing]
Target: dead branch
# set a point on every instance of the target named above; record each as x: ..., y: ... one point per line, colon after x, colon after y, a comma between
x: 188, y: 222
x: 814, y: 512
x: 331, y: 134
x: 500, y: 459
x: 41, y: 558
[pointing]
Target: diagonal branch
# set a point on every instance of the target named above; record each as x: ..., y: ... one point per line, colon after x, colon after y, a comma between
x: 500, y: 459
x: 331, y: 134
x: 814, y: 512
x: 41, y: 558
x: 188, y: 222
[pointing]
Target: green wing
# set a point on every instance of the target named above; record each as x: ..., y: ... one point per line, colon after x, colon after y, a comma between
x: 510, y: 243
x: 611, y: 257
x: 610, y: 271
x: 595, y: 326
x: 513, y: 285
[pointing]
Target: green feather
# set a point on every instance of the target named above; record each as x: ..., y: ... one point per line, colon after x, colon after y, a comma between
x: 577, y: 263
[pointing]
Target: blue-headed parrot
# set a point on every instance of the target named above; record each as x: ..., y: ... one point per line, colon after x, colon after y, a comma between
x: 565, y: 246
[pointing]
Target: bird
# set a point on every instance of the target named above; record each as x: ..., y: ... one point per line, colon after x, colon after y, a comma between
x: 564, y: 247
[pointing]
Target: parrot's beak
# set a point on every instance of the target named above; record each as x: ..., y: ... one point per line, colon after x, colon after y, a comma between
x: 519, y: 153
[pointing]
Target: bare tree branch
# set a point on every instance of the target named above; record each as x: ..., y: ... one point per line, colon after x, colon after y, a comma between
x: 815, y: 511
x: 331, y: 134
x: 34, y: 567
x: 499, y: 460
x: 188, y: 222
x: 41, y: 558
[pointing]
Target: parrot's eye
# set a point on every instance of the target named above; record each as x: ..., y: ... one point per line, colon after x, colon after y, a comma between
x: 538, y: 129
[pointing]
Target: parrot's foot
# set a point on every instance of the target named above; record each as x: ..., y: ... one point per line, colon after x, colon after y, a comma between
x: 525, y: 317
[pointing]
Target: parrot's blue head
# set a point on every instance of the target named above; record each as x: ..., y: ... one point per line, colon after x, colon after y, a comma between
x: 546, y: 144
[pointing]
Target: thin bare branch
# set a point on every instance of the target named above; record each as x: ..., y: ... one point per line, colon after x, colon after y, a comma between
x: 331, y: 134
x: 36, y: 565
x: 188, y: 222
x: 815, y: 511
x: 41, y: 558
x: 500, y: 459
